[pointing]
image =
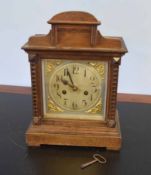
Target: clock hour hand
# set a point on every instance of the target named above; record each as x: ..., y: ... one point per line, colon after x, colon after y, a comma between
x: 66, y: 82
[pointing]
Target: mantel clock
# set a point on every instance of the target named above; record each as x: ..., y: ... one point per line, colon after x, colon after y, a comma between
x: 74, y: 73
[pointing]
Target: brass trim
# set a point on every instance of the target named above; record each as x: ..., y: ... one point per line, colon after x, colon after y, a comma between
x: 96, y: 109
x: 100, y: 68
x: 116, y: 59
x: 53, y: 108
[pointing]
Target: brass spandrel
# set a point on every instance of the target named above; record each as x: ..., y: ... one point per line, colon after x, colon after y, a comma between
x: 100, y: 67
x: 96, y: 109
x: 52, y: 107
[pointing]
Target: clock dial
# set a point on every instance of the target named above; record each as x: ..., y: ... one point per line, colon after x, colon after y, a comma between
x: 75, y: 86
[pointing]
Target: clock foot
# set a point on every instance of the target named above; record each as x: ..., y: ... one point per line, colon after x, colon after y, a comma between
x: 36, y: 120
x: 111, y: 123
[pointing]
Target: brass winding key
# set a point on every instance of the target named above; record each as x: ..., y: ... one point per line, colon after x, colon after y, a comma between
x: 97, y: 158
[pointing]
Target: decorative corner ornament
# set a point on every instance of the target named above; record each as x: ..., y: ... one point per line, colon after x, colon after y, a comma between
x: 53, y: 108
x: 96, y: 109
x: 116, y: 59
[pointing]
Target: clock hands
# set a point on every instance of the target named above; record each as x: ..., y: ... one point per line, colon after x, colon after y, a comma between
x: 66, y: 82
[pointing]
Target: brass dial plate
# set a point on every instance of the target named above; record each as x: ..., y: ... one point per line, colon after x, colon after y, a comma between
x: 75, y: 89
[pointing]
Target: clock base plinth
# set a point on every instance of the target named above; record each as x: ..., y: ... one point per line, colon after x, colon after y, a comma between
x: 82, y: 133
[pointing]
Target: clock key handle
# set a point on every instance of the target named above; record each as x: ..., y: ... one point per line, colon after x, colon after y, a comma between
x: 96, y: 158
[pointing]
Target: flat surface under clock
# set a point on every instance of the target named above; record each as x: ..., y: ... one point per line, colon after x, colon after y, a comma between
x: 16, y: 158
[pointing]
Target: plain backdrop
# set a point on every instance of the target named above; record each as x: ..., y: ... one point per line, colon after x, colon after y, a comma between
x: 20, y: 19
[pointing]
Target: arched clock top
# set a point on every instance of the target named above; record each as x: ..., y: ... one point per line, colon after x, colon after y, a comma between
x: 75, y: 31
x: 74, y: 17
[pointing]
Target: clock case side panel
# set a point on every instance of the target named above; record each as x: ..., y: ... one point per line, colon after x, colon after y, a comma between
x: 36, y: 81
x: 112, y: 91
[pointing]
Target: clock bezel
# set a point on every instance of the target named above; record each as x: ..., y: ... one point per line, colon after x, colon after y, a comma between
x: 96, y: 111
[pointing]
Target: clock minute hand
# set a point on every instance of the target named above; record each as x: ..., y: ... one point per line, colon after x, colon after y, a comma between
x: 70, y: 77
x: 75, y: 88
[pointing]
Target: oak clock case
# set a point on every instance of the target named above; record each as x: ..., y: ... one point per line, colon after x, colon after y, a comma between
x: 74, y: 74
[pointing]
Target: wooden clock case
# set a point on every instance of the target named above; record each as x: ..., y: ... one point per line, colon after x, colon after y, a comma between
x: 74, y: 36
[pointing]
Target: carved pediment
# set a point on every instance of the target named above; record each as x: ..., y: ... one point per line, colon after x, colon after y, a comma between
x: 75, y: 30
